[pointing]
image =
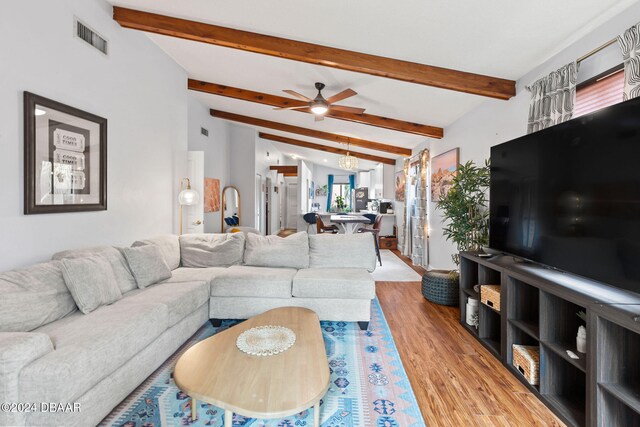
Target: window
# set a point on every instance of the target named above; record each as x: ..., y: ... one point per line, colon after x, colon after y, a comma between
x: 343, y: 191
x: 599, y: 92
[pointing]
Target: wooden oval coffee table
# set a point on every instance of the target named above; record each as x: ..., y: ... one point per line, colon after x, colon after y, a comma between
x: 216, y: 372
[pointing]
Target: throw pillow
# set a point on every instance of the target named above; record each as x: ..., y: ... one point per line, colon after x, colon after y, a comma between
x: 91, y: 282
x: 123, y: 274
x: 33, y: 296
x: 274, y: 251
x: 169, y: 247
x: 211, y: 250
x: 147, y: 264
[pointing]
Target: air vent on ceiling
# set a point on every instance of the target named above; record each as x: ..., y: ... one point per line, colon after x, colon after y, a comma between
x: 204, y: 131
x: 88, y: 35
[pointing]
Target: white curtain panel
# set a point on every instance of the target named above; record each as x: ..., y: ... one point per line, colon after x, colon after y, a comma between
x: 629, y: 43
x: 553, y: 98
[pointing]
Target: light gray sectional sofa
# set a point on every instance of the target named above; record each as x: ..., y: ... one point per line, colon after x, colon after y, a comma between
x: 51, y: 351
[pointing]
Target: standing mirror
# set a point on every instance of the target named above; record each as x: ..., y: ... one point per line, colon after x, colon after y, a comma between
x: 230, y: 207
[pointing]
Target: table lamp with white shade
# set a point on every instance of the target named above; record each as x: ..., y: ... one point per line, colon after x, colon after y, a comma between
x: 187, y: 197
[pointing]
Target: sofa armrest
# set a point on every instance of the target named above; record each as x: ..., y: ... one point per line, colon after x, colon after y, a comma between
x: 17, y: 350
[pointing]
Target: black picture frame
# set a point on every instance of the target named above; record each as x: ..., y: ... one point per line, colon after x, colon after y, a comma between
x: 31, y: 172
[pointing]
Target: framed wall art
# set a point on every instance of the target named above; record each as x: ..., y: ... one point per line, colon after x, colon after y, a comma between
x: 400, y: 180
x: 65, y: 158
x: 443, y: 169
x: 211, y: 195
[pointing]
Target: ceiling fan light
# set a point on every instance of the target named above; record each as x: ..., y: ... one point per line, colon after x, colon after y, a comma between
x: 319, y: 108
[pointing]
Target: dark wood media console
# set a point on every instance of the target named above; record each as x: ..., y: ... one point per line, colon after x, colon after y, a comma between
x: 538, y: 307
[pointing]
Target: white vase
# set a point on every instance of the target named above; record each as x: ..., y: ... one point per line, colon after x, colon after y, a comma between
x: 472, y: 309
x: 581, y: 340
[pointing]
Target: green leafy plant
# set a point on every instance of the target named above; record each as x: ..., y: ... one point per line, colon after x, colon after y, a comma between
x: 340, y: 203
x: 464, y: 208
x: 582, y: 315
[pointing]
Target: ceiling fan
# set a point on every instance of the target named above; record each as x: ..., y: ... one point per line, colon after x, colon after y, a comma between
x: 319, y: 106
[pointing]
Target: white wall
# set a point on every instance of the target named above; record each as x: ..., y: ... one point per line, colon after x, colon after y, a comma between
x: 138, y: 88
x: 388, y: 182
x: 305, y: 176
x: 216, y: 152
x: 495, y: 122
x: 242, y: 142
x: 267, y: 155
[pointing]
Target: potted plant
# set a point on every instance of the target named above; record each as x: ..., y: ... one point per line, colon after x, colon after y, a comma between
x: 464, y: 208
x: 340, y: 204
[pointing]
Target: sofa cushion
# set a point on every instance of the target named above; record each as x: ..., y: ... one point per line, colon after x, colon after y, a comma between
x: 91, y: 282
x: 347, y: 283
x: 33, y: 296
x: 88, y: 348
x: 169, y: 246
x: 211, y: 250
x: 245, y: 281
x: 124, y: 277
x: 188, y: 274
x: 181, y: 299
x: 342, y: 251
x: 147, y: 264
x: 274, y: 251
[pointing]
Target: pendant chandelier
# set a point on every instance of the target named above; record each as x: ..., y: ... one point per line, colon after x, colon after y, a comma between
x: 348, y: 162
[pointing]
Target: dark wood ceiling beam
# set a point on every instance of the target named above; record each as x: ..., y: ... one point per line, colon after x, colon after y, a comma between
x: 380, y: 66
x: 281, y: 101
x: 320, y: 147
x: 285, y: 169
x: 341, y: 139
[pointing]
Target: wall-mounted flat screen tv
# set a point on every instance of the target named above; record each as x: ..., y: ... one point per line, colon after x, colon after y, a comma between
x: 569, y: 196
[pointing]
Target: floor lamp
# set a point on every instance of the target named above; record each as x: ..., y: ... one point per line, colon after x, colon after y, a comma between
x: 187, y: 197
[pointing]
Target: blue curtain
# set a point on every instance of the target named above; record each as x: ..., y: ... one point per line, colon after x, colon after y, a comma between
x: 352, y: 186
x: 329, y: 191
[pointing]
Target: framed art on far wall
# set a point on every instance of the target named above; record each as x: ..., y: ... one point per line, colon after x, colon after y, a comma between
x: 399, y: 186
x: 443, y: 169
x: 211, y: 195
x: 65, y: 158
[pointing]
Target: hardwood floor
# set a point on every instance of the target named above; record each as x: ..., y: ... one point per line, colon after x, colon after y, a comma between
x: 457, y: 382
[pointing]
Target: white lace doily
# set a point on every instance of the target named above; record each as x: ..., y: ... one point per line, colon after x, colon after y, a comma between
x: 266, y: 340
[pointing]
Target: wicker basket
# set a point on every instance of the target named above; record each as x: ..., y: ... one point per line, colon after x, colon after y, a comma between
x: 526, y: 359
x: 441, y: 287
x: 490, y: 295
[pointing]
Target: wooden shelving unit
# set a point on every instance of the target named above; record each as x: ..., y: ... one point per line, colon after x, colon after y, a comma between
x: 538, y: 307
x: 617, y: 378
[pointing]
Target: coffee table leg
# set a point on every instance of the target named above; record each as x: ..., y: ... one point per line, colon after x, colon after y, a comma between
x: 194, y: 409
x: 316, y: 415
x: 228, y: 418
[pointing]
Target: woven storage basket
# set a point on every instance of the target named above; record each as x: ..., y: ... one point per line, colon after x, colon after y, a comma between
x: 441, y: 287
x: 490, y: 295
x: 526, y: 359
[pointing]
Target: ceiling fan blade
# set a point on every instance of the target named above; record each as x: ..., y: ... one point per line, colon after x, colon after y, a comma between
x: 347, y: 93
x: 297, y: 95
x: 354, y: 110
x: 318, y: 118
x: 301, y: 107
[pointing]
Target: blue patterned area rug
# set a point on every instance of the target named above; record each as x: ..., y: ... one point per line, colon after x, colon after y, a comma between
x: 369, y: 386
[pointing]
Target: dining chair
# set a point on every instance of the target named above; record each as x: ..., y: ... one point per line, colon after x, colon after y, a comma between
x: 322, y: 228
x: 371, y: 218
x: 310, y: 219
x: 375, y: 230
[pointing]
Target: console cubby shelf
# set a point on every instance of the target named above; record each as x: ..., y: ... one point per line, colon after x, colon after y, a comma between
x: 617, y: 395
x: 538, y: 307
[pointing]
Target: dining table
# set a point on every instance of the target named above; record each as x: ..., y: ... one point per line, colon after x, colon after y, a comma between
x: 350, y: 223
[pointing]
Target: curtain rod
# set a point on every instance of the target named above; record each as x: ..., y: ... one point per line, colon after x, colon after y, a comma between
x: 596, y: 50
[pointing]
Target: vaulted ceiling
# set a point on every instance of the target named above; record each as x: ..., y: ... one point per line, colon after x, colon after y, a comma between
x: 498, y: 38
